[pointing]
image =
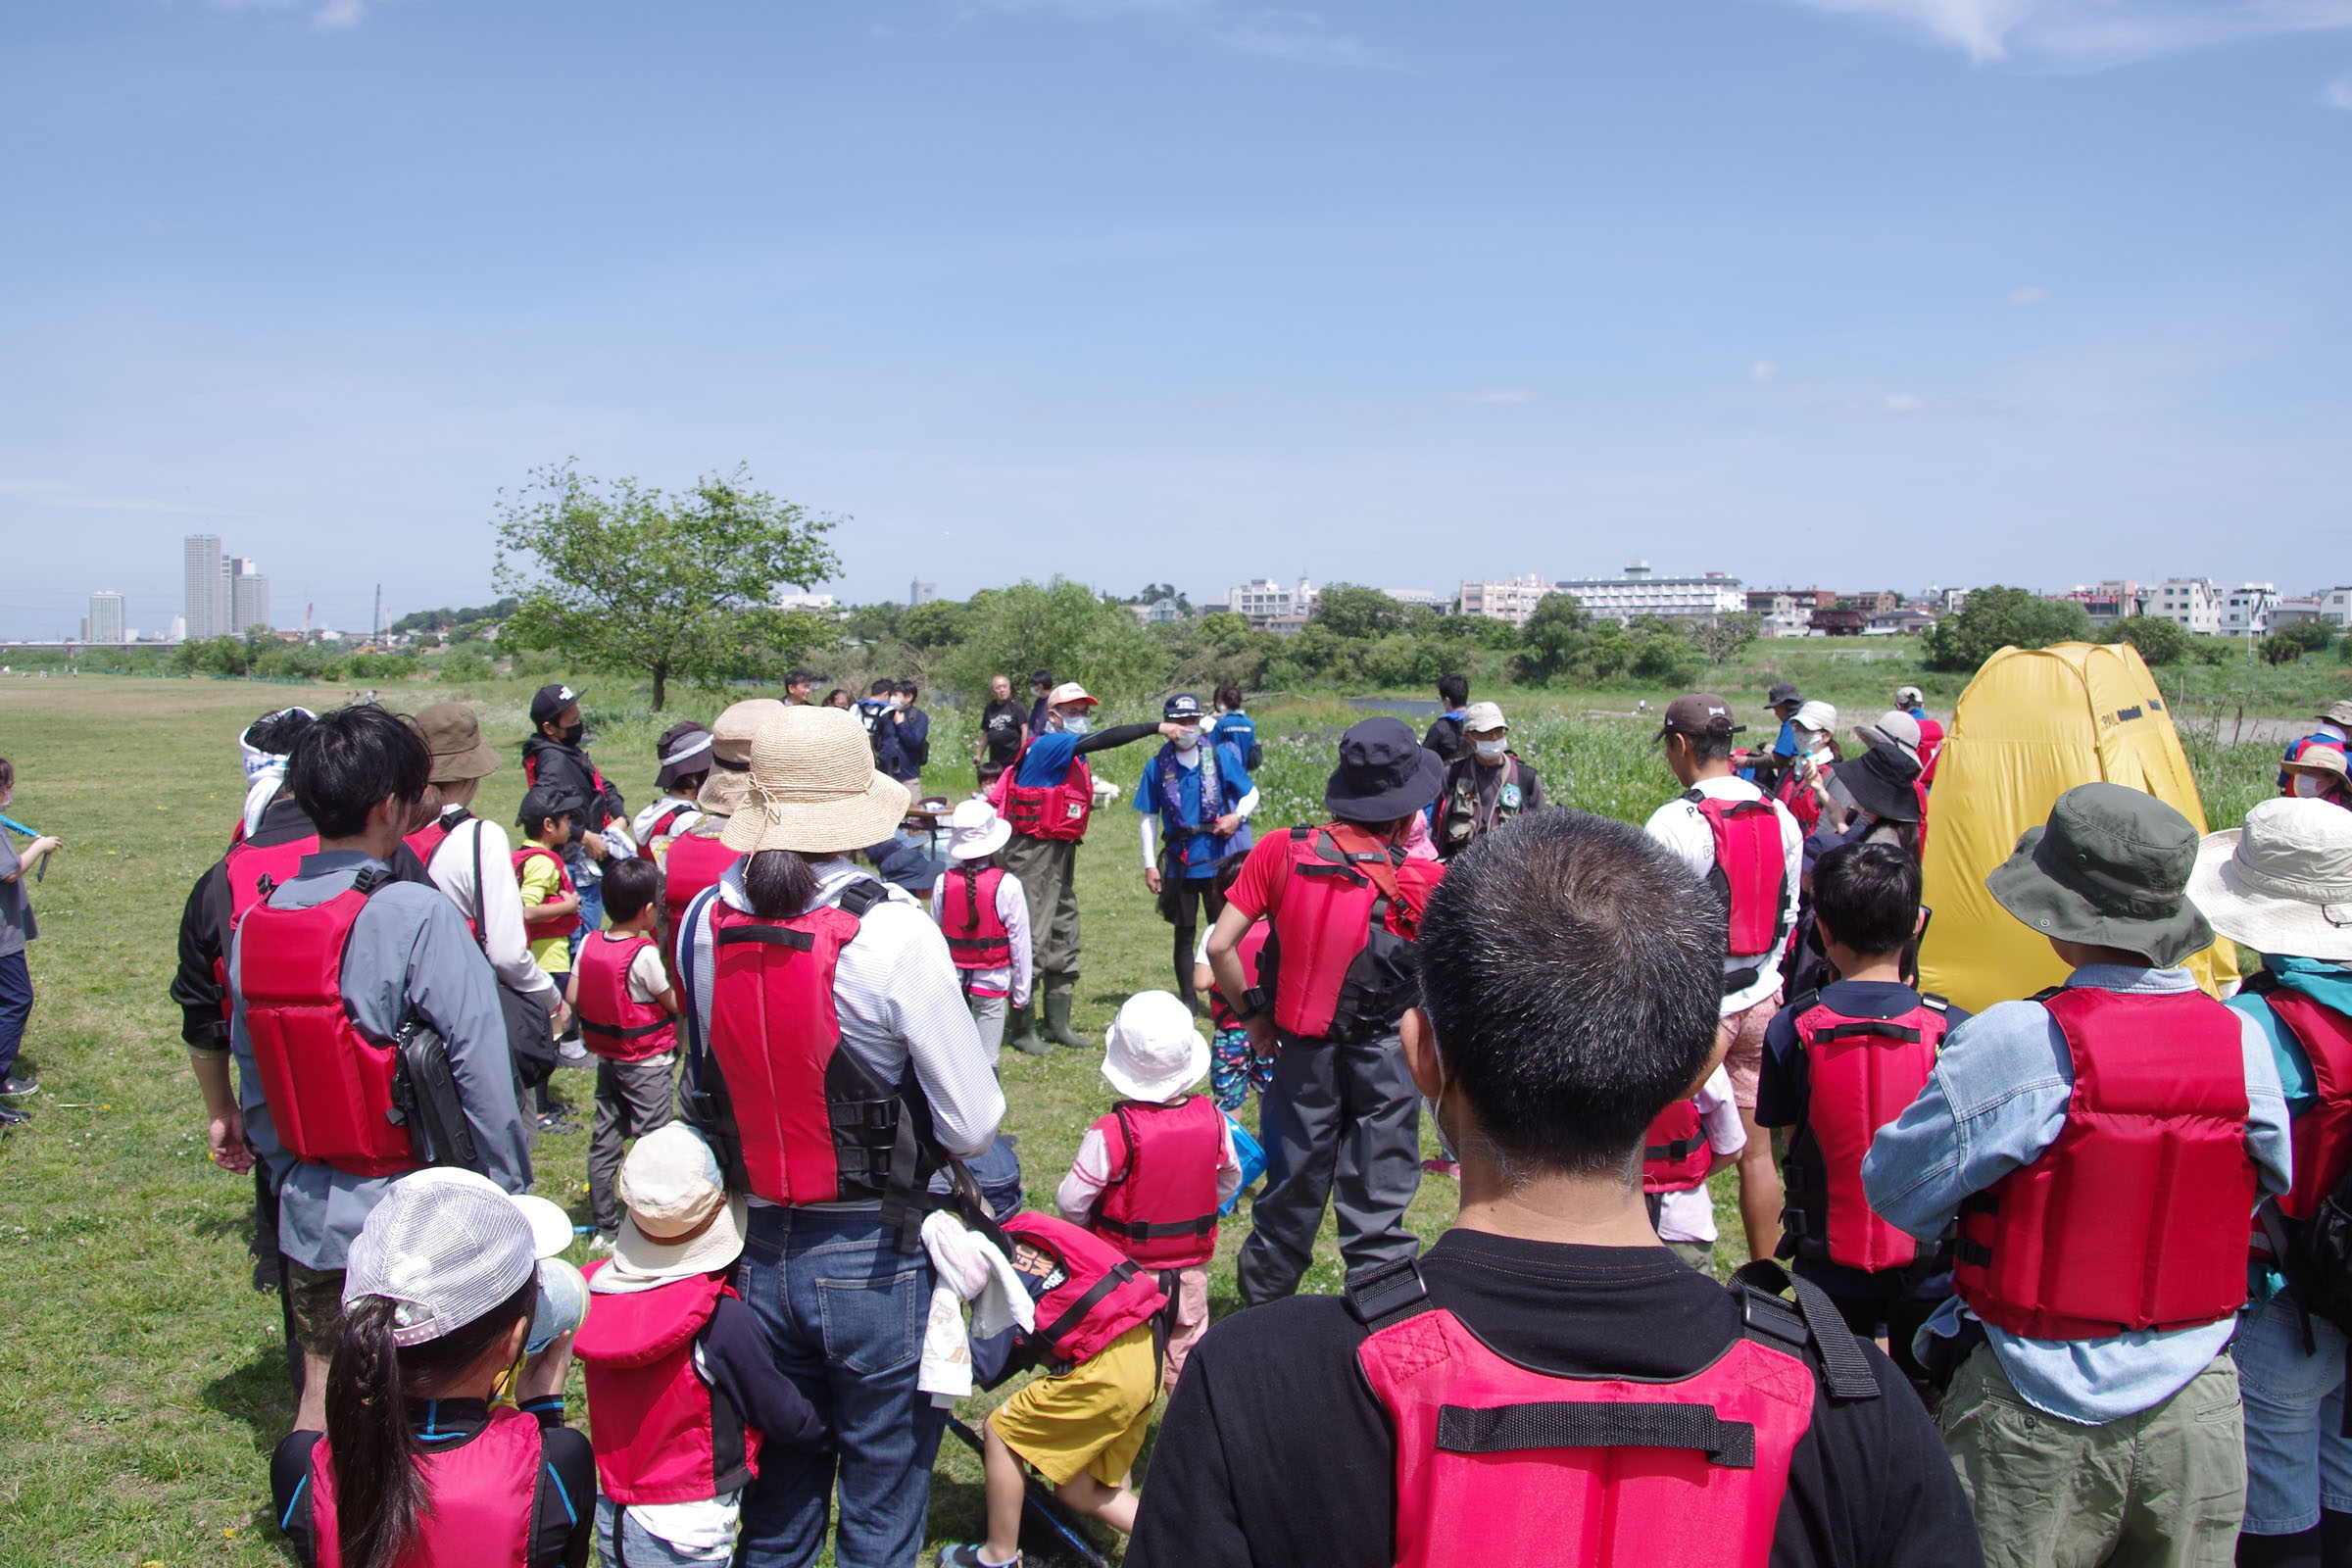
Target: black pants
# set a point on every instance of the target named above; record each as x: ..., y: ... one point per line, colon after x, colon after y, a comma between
x: 1182, y: 901
x: 1904, y: 1317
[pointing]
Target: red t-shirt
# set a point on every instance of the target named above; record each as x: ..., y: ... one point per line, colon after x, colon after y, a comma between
x: 1314, y: 963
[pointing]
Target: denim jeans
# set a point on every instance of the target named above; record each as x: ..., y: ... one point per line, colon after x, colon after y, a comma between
x: 624, y: 1541
x: 844, y: 1312
x: 2297, y: 1459
x: 15, y: 1005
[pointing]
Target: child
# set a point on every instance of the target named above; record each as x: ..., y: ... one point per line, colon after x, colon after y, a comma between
x: 984, y: 914
x: 551, y: 908
x: 1839, y: 1064
x: 1151, y: 1176
x: 1690, y: 1141
x: 684, y: 753
x: 1233, y: 1069
x: 1082, y: 1423
x: 622, y: 995
x: 16, y: 929
x: 678, y: 1372
x: 985, y: 775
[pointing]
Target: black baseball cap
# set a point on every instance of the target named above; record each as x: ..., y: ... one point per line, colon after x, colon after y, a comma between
x: 1184, y: 705
x: 543, y: 801
x: 548, y: 700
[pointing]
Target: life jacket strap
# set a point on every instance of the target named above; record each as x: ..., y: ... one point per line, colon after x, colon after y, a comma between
x: 1563, y: 1423
x: 1379, y: 1296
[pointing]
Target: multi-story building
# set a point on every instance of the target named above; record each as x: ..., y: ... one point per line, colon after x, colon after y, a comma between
x: 2287, y: 612
x: 2245, y: 609
x: 1263, y: 600
x: 202, y: 586
x: 2106, y: 602
x: 2189, y: 603
x: 248, y: 597
x: 1639, y: 591
x: 1416, y: 595
x: 1874, y: 602
x: 921, y: 593
x: 1511, y: 599
x: 105, y: 624
x: 2335, y: 607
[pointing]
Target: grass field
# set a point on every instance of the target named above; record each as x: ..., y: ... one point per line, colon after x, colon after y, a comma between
x: 141, y: 1379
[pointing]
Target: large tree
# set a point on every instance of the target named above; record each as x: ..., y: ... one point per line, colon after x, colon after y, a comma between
x: 1063, y: 626
x: 673, y: 587
x: 1348, y: 609
x: 1998, y: 618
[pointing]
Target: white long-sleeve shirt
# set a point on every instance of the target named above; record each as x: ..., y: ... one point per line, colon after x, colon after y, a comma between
x: 493, y: 903
x: 1011, y: 980
x: 1682, y: 827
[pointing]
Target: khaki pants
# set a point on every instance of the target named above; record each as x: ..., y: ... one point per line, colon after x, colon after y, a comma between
x: 2162, y: 1489
x: 1048, y: 869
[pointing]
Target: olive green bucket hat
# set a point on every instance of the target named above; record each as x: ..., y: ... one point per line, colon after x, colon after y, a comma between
x: 2110, y: 869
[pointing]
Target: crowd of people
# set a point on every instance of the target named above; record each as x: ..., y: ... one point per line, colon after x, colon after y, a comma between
x: 2069, y: 1280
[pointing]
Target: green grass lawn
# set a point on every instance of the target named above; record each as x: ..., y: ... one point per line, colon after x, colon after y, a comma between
x: 141, y: 1379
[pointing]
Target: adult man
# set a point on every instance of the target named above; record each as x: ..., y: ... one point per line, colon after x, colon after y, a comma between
x: 2102, y: 1145
x: 797, y: 687
x: 1570, y: 980
x: 1046, y: 796
x: 327, y: 971
x: 1751, y: 849
x: 1344, y: 901
x: 1041, y: 686
x: 1764, y: 768
x: 1003, y: 725
x: 1485, y: 788
x: 1197, y: 797
x: 553, y: 756
x: 1445, y: 735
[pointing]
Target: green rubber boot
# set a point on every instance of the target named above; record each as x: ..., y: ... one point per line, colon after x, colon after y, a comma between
x: 1020, y: 1032
x: 1058, y: 1022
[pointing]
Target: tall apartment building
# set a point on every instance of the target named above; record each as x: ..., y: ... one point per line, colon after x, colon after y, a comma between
x: 248, y: 596
x: 202, y: 589
x: 105, y: 624
x: 1263, y: 600
x: 2189, y: 603
x: 1639, y: 591
x: 1511, y: 599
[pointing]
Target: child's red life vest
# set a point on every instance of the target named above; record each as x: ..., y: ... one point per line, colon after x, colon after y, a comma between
x: 1862, y: 1073
x: 1751, y: 869
x: 2323, y: 1135
x: 545, y: 926
x: 967, y: 915
x: 813, y: 1124
x: 660, y: 825
x: 2135, y: 1216
x: 1160, y: 1207
x: 662, y: 1434
x: 249, y: 873
x: 1054, y: 811
x: 1676, y: 1155
x: 483, y: 1498
x: 1092, y: 1292
x: 694, y: 862
x: 1248, y: 950
x: 613, y: 1024
x: 1343, y: 957
x: 1499, y: 1463
x: 328, y: 1086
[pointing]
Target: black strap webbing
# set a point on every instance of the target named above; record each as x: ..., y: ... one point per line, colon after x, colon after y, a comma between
x: 1379, y: 1296
x: 861, y: 896
x: 779, y: 936
x: 1846, y: 1370
x: 1514, y: 1428
x: 1051, y: 1335
x: 1678, y: 1149
x: 615, y: 1032
x: 1203, y: 1226
x: 1869, y: 1026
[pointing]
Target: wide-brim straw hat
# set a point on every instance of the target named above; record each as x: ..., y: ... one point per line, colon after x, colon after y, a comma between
x: 815, y: 789
x: 2282, y: 883
x: 731, y: 735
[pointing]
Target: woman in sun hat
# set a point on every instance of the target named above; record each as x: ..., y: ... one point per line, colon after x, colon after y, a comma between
x: 678, y: 1373
x: 2317, y: 773
x: 816, y: 999
x: 695, y: 856
x: 2283, y: 885
x: 984, y: 914
x: 448, y: 1287
x: 1879, y: 794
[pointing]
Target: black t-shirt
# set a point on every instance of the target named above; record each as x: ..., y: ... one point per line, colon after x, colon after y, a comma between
x: 1001, y: 725
x: 1275, y: 1451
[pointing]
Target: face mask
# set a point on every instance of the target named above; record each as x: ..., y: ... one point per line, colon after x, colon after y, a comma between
x: 1812, y: 744
x: 1076, y: 723
x: 1492, y: 750
x: 1188, y: 738
x: 571, y: 736
x: 2309, y: 788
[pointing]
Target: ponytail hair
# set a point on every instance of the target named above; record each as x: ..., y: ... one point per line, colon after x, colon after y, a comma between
x: 780, y: 883
x: 380, y: 1492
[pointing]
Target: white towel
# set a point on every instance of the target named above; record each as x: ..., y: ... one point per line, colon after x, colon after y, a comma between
x: 972, y: 1269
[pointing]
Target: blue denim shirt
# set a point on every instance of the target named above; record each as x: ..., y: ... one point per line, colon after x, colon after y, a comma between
x: 1996, y: 1099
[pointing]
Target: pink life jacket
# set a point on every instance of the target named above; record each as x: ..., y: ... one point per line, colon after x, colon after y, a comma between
x: 544, y: 926
x: 1676, y: 1155
x: 249, y: 873
x: 660, y: 825
x: 2134, y: 1217
x: 1252, y: 945
x: 1862, y: 1073
x: 1500, y: 1464
x: 1752, y: 867
x: 1051, y: 811
x: 484, y: 1493
x: 1092, y: 1292
x: 662, y: 1434
x: 328, y: 1087
x: 694, y: 860
x: 2323, y: 1135
x: 1160, y: 1207
x: 613, y: 1024
x: 967, y: 915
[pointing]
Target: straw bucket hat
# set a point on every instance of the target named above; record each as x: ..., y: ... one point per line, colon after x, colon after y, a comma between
x: 722, y: 793
x: 2282, y: 883
x: 813, y: 788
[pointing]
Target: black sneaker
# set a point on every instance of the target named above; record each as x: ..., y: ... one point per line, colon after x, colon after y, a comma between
x: 10, y: 1117
x: 968, y: 1556
x: 17, y: 1085
x: 555, y: 1121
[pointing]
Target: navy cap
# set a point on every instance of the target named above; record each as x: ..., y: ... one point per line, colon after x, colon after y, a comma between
x: 1184, y: 705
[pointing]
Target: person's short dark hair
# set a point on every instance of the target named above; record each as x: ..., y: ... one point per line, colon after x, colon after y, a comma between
x: 1454, y: 690
x: 8, y: 774
x: 882, y: 688
x: 1710, y: 748
x: 1867, y: 894
x: 834, y: 692
x: 630, y: 886
x: 274, y: 733
x: 907, y: 688
x: 798, y: 677
x: 1573, y: 968
x: 1228, y: 697
x: 989, y: 772
x: 351, y: 757
x: 545, y: 802
x: 1042, y: 677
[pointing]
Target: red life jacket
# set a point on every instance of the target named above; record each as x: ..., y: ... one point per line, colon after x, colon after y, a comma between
x: 968, y: 915
x: 809, y: 1121
x: 613, y: 1024
x: 660, y: 825
x: 2323, y: 1135
x: 558, y: 925
x: 1931, y: 739
x: 1499, y: 1463
x: 662, y: 1434
x: 426, y: 842
x: 1052, y: 812
x: 328, y: 1086
x: 1092, y: 1292
x: 249, y: 873
x: 1803, y: 804
x: 1342, y: 961
x: 1862, y: 1074
x: 694, y: 860
x: 1676, y: 1155
x: 2135, y: 1216
x: 1160, y: 1207
x: 484, y: 1498
x: 1751, y: 869
x: 1252, y: 945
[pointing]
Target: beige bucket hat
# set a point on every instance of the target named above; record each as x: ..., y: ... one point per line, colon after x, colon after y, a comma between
x: 680, y: 1220
x: 722, y: 793
x: 455, y: 736
x: 2281, y: 883
x: 813, y: 788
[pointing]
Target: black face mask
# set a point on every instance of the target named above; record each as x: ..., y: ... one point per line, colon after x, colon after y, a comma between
x: 571, y: 736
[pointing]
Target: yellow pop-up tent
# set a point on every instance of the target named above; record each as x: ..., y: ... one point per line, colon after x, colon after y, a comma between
x: 2034, y: 723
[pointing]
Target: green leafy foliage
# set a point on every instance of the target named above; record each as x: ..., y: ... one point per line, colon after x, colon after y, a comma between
x: 1346, y: 610
x: 2000, y: 618
x: 1062, y: 626
x: 2159, y: 641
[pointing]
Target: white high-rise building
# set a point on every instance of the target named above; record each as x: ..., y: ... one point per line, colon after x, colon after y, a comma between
x: 2188, y: 601
x: 1637, y: 591
x: 248, y: 597
x: 106, y: 619
x: 205, y: 590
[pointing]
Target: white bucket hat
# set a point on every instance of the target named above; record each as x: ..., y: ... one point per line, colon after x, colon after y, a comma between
x: 680, y: 1219
x: 814, y: 788
x: 730, y: 780
x: 1153, y: 1051
x: 978, y: 831
x: 1892, y: 725
x: 2282, y: 883
x: 1821, y: 717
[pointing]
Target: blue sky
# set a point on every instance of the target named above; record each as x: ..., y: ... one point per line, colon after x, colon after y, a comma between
x: 1855, y: 292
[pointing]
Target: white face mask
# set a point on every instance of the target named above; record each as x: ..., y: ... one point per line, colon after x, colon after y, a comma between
x: 1076, y: 723
x: 1491, y: 749
x: 2308, y: 787
x: 1188, y: 738
x: 1812, y: 743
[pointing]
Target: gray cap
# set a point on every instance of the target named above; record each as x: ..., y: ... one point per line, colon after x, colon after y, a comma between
x: 2110, y: 869
x: 445, y: 1250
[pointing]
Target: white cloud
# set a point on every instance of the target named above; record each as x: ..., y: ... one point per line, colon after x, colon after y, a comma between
x: 340, y: 14
x: 1902, y: 403
x: 2031, y: 294
x: 1501, y: 398
x: 1762, y: 370
x: 2339, y: 94
x: 2089, y: 34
